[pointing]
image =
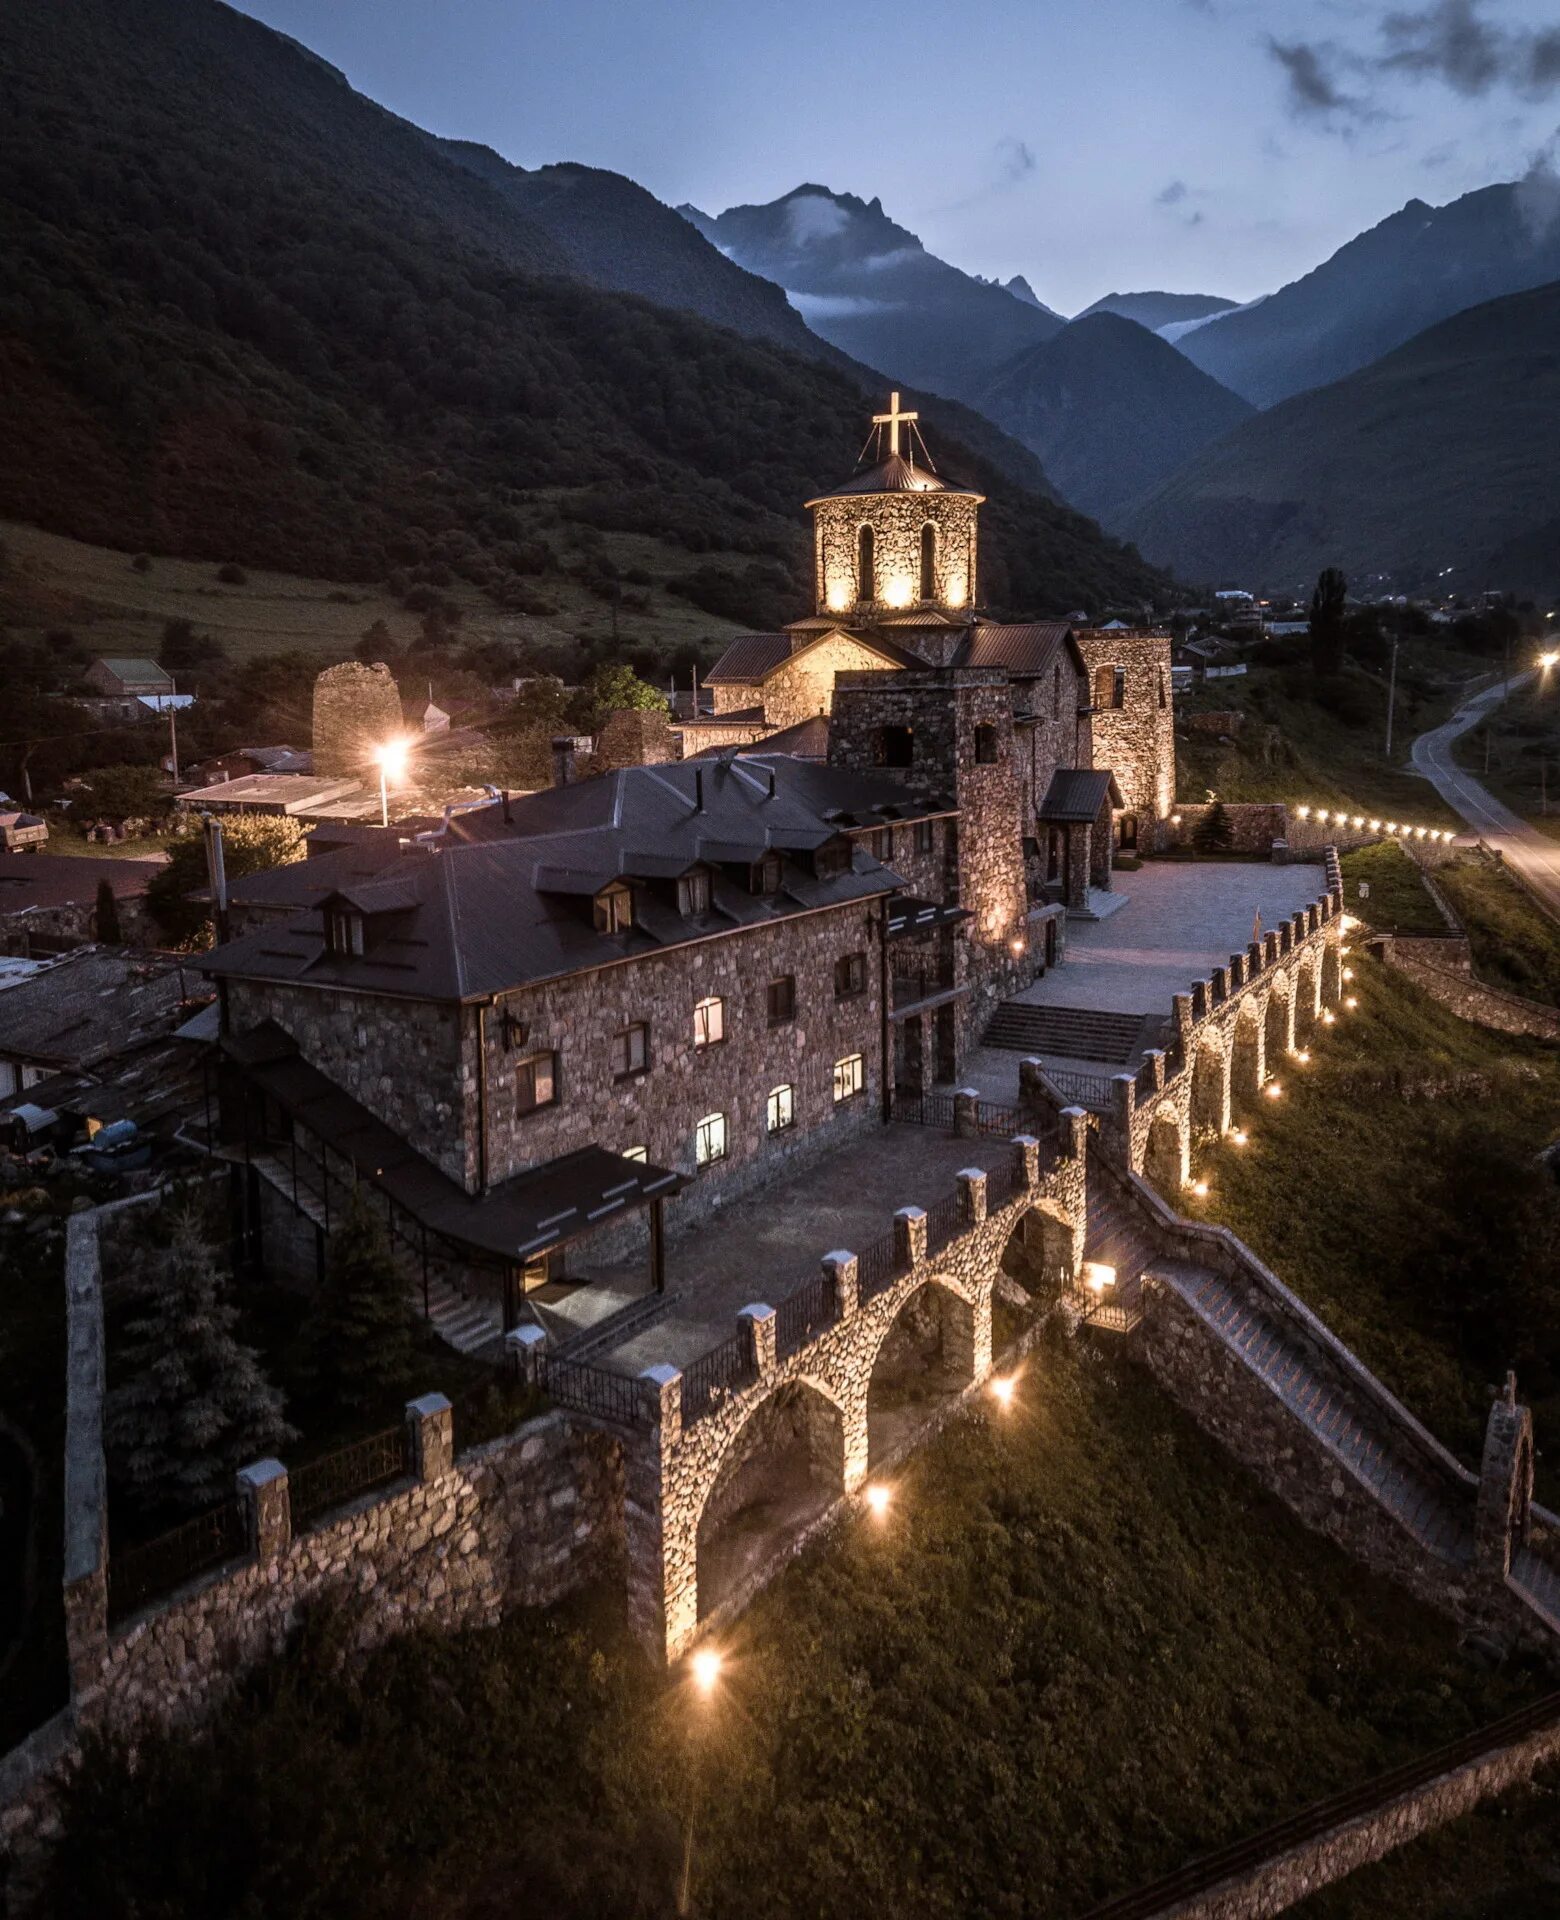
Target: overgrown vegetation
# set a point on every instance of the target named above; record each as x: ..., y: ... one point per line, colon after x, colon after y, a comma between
x: 251, y: 842
x: 1081, y: 1648
x: 1395, y: 1187
x: 1515, y: 943
x: 1396, y: 900
x: 1515, y: 749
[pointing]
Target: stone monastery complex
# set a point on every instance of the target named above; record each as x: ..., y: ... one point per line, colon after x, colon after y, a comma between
x: 741, y: 1100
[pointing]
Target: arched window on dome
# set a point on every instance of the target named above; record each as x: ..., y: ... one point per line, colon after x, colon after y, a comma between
x: 866, y: 566
x: 928, y: 562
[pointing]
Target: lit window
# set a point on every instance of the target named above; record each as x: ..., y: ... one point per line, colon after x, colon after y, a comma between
x: 637, y: 1154
x: 928, y: 562
x: 344, y: 931
x: 782, y: 1109
x: 536, y: 1082
x: 849, y: 1077
x: 709, y: 1021
x: 709, y: 1140
x: 614, y: 910
x: 925, y: 836
x: 986, y: 745
x: 850, y: 976
x: 631, y: 1050
x: 693, y: 892
x: 782, y: 1000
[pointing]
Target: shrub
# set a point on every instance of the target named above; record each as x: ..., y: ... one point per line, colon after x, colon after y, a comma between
x: 142, y: 563
x: 232, y: 575
x: 105, y: 914
x: 251, y: 842
x: 1213, y: 833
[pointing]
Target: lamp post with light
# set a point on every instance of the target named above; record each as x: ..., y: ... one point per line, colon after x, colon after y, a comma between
x: 391, y: 759
x: 704, y: 1671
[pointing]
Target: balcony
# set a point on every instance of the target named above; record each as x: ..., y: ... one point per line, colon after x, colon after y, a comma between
x: 915, y: 980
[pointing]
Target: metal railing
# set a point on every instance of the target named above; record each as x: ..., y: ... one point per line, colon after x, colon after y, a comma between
x: 1091, y: 1090
x: 877, y: 1265
x: 592, y: 1390
x: 945, y: 1221
x: 341, y: 1476
x: 801, y: 1316
x: 715, y: 1375
x: 144, y: 1573
x: 1005, y: 1180
x: 990, y: 1117
x: 913, y: 981
x: 924, y: 1109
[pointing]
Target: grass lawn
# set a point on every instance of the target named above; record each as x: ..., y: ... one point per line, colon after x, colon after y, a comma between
x: 1515, y: 752
x: 65, y: 836
x: 1082, y: 1647
x: 1398, y: 901
x: 1515, y: 943
x: 1394, y: 1188
x: 1500, y: 1862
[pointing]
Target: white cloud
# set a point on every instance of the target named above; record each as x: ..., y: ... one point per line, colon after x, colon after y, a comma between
x: 813, y: 217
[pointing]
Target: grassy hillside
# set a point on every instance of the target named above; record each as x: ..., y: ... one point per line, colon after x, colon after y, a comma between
x: 247, y: 316
x: 1515, y: 750
x: 1082, y: 1647
x: 1433, y: 457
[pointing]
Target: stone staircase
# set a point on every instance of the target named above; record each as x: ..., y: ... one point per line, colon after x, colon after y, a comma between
x: 1067, y: 1033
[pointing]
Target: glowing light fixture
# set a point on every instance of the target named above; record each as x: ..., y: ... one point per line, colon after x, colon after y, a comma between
x: 706, y: 1666
x: 1351, y: 1003
x: 1359, y: 819
x: 1199, y: 1187
x: 878, y: 1499
x: 391, y: 759
x: 1016, y: 945
x: 1002, y: 1389
x: 1098, y: 1276
x: 1303, y: 1056
x: 1329, y: 1018
x: 1273, y: 1090
x: 1348, y: 973
x: 1240, y: 1137
x: 1375, y: 826
x: 1304, y: 812
x: 1547, y: 660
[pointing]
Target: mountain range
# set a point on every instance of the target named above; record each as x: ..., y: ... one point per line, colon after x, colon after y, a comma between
x: 247, y: 314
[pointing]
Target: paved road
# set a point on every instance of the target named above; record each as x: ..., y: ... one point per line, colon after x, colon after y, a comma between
x: 1535, y: 853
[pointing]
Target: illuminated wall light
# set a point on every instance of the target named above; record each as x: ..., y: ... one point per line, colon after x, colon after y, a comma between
x: 1199, y: 1187
x: 1302, y: 1056
x: 1375, y: 826
x: 1329, y: 1018
x: 1304, y: 812
x: 879, y: 1498
x: 1016, y: 946
x: 1240, y: 1137
x: 1359, y: 819
x: 1420, y: 832
x: 898, y: 591
x: 957, y: 590
x: 1321, y: 814
x: 1348, y: 973
x: 1351, y: 1003
x: 1391, y: 826
x: 706, y: 1667
x: 1098, y: 1276
x: 1002, y: 1390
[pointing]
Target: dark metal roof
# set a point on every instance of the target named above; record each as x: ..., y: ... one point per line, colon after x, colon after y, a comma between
x: 1025, y: 649
x: 807, y: 740
x: 1078, y: 794
x: 543, y: 1207
x: 460, y: 919
x: 58, y: 879
x: 75, y: 1010
x: 909, y: 914
x: 896, y: 474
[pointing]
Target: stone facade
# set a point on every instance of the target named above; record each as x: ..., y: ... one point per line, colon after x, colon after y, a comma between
x: 1441, y: 968
x: 1137, y: 739
x: 638, y: 737
x: 802, y: 686
x: 356, y: 709
x: 896, y: 520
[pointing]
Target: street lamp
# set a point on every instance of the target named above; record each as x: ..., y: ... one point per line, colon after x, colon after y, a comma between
x: 391, y: 758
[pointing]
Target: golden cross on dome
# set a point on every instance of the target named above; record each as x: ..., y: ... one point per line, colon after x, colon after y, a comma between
x: 892, y: 420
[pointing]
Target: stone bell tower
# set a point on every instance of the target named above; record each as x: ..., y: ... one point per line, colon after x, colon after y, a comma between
x: 896, y: 539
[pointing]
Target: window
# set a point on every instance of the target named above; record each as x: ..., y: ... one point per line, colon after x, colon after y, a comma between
x: 709, y: 1021
x: 536, y: 1082
x: 849, y: 1077
x: 925, y: 836
x: 636, y: 1153
x: 880, y: 843
x: 1110, y: 686
x: 1056, y: 694
x: 850, y: 976
x: 693, y: 892
x: 928, y: 562
x: 343, y: 931
x: 986, y: 746
x: 895, y: 747
x: 709, y: 1140
x: 764, y: 875
x: 866, y: 566
x: 614, y: 910
x: 782, y: 1109
x: 782, y: 1000
x: 1118, y: 687
x: 631, y: 1050
x: 1161, y: 687
x: 832, y: 859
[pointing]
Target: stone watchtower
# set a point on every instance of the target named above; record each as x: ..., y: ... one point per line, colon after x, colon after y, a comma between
x: 896, y: 538
x: 1132, y: 720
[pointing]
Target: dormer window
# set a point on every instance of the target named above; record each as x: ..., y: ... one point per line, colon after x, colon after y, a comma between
x: 614, y: 909
x: 764, y: 875
x: 343, y: 932
x: 693, y: 892
x: 832, y: 859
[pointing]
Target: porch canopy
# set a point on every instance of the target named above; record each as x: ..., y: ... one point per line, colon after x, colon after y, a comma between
x: 544, y: 1207
x: 908, y: 913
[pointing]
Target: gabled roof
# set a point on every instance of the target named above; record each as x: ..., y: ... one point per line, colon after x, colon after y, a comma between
x: 896, y: 474
x: 136, y: 672
x: 750, y: 661
x: 1078, y: 794
x: 1025, y: 649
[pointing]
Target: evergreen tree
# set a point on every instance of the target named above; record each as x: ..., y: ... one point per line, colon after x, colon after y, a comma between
x: 194, y: 1404
x: 377, y: 643
x: 1327, y: 622
x: 106, y: 914
x: 1213, y: 833
x: 362, y: 1331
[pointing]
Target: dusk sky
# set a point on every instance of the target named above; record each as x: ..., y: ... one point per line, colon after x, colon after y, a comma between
x: 1218, y: 146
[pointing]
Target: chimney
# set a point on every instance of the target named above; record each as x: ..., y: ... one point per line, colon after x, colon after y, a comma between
x: 563, y: 759
x: 698, y: 789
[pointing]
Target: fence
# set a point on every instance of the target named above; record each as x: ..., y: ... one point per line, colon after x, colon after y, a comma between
x: 713, y: 1376
x: 924, y: 1110
x: 802, y: 1315
x: 146, y: 1572
x: 877, y: 1266
x: 338, y: 1477
x: 1081, y: 1089
x: 592, y: 1390
x: 910, y: 982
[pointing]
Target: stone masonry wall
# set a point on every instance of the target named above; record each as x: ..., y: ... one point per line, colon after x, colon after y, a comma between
x: 1468, y: 998
x: 1136, y: 740
x: 1254, y: 825
x: 896, y: 520
x: 804, y: 685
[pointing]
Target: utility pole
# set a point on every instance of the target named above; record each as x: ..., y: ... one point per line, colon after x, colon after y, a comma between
x: 173, y: 729
x: 1391, y: 694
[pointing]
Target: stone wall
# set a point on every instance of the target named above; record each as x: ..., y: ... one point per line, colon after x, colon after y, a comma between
x: 896, y: 520
x: 1442, y: 969
x: 356, y: 709
x: 804, y: 685
x: 1136, y: 740
x: 638, y: 737
x: 1254, y: 825
x: 76, y: 920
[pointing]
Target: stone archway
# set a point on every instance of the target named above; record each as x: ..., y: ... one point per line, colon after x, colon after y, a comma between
x: 1246, y: 1054
x: 782, y: 1468
x: 1042, y: 1253
x: 1278, y: 1027
x: 926, y: 1357
x: 1167, y: 1156
x: 1210, y: 1101
x: 1305, y: 1000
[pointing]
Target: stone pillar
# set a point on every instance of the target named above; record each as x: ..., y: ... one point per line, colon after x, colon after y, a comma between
x: 1270, y: 949
x: 527, y: 1346
x: 841, y: 1269
x: 1029, y: 1147
x: 910, y: 1236
x: 86, y: 1629
x: 966, y: 1113
x: 1256, y: 958
x: 1074, y: 1136
x: 1220, y: 986
x: 660, y: 1525
x: 1123, y: 1112
x: 972, y: 1191
x: 430, y: 1435
x: 1199, y: 1000
x: 1155, y: 1056
x: 1332, y: 971
x: 1237, y: 971
x: 1182, y: 1003
x: 759, y: 1320
x: 1505, y: 1498
x: 853, y: 1421
x: 263, y: 1489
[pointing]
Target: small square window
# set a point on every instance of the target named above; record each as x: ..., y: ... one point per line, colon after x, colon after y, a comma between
x: 849, y: 1077
x: 781, y: 996
x: 344, y: 932
x: 709, y: 1140
x: 631, y: 1050
x: 709, y: 1021
x: 614, y: 910
x: 782, y: 1109
x: 986, y: 746
x: 880, y: 843
x: 536, y: 1082
x: 925, y: 836
x: 895, y: 747
x: 693, y: 892
x: 764, y: 875
x: 850, y: 976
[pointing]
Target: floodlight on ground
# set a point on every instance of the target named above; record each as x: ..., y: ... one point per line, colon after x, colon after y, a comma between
x: 1302, y: 1056
x: 1198, y: 1187
x: 1273, y: 1090
x: 1351, y: 1003
x: 1329, y: 1018
x: 706, y: 1666
x: 1002, y: 1386
x: 879, y: 1499
x: 1240, y: 1138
